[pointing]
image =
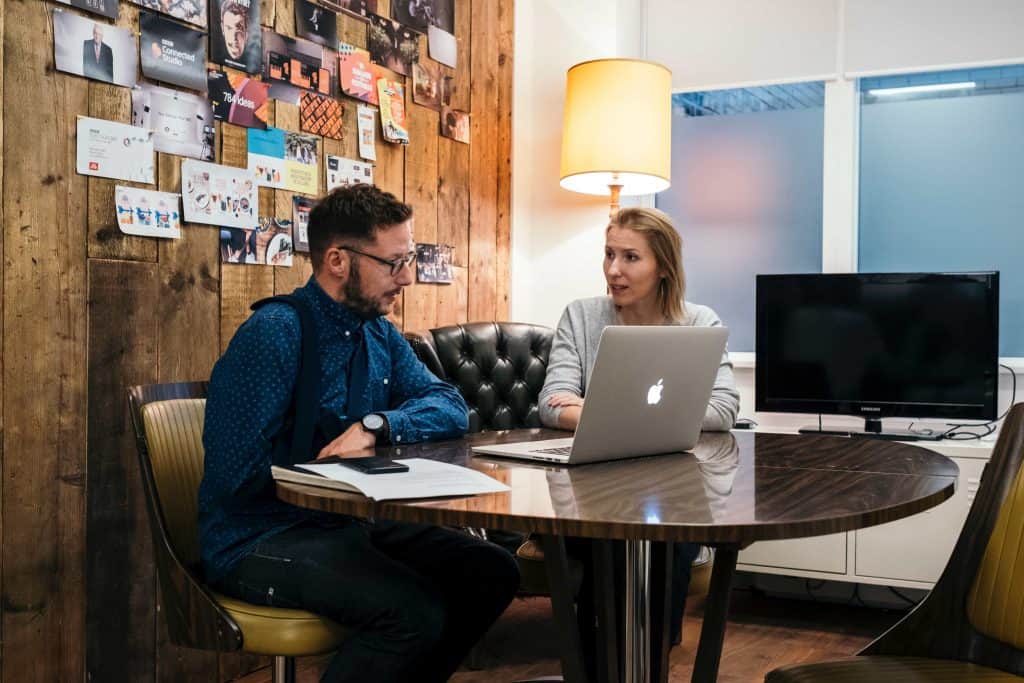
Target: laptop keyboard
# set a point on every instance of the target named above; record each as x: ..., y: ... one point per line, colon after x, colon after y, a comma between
x: 561, y: 450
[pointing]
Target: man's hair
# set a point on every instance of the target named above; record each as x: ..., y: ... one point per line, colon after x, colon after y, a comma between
x: 352, y: 215
x: 234, y: 7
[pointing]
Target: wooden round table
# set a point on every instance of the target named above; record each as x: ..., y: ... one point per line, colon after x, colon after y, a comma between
x: 734, y: 489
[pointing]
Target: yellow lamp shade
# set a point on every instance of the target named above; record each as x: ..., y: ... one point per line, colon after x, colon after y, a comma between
x: 617, y: 128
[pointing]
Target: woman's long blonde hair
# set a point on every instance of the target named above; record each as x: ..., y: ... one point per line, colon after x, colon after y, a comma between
x: 667, y: 245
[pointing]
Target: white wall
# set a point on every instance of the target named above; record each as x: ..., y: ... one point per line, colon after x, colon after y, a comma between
x: 557, y: 235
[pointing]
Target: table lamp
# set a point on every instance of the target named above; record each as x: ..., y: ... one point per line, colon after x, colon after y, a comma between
x: 617, y: 129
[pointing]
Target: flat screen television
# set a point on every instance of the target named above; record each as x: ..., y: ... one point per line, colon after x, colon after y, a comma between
x: 874, y: 345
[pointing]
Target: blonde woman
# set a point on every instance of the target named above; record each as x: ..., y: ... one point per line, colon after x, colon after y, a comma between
x: 643, y: 266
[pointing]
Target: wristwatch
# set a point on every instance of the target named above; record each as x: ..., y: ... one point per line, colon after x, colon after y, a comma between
x: 376, y: 424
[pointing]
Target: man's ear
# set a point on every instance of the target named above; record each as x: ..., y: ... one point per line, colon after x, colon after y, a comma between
x: 338, y: 263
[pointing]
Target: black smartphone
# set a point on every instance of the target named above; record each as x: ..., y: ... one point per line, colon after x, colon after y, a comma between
x: 373, y: 464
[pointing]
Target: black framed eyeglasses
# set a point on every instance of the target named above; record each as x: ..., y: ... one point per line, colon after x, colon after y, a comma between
x: 396, y: 265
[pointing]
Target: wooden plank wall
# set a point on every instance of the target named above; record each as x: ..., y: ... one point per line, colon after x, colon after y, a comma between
x: 87, y: 311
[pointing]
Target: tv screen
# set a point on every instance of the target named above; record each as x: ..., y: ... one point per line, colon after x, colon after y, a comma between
x: 878, y: 344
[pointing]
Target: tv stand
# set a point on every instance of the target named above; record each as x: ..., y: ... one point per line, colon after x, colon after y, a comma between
x: 873, y: 430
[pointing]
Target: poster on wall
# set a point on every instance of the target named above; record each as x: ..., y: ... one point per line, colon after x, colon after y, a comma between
x: 434, y: 263
x: 238, y: 99
x: 147, y: 213
x: 455, y: 124
x: 442, y: 46
x: 316, y: 23
x: 320, y: 115
x: 191, y: 11
x: 269, y: 243
x: 182, y: 123
x: 367, y: 129
x: 301, y: 206
x: 342, y: 172
x: 427, y: 84
x: 94, y: 49
x: 115, y: 150
x: 284, y: 160
x: 392, y: 45
x: 235, y: 34
x: 392, y: 111
x: 218, y: 195
x: 106, y: 8
x: 172, y: 53
x: 360, y: 9
x: 357, y: 75
x: 293, y: 66
x: 419, y: 14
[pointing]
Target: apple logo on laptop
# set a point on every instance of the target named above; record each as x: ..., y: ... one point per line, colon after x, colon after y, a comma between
x: 654, y: 393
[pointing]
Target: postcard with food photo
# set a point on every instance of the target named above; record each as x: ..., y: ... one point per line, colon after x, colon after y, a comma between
x: 172, y: 53
x: 393, y: 45
x: 268, y: 244
x: 238, y: 98
x: 218, y: 195
x: 284, y: 160
x: 392, y: 111
x: 147, y: 213
x: 320, y: 115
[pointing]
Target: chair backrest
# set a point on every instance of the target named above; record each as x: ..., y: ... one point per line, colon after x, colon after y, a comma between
x: 498, y: 368
x: 168, y: 423
x: 975, y: 613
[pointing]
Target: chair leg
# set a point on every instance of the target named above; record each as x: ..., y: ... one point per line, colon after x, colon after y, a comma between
x: 284, y: 669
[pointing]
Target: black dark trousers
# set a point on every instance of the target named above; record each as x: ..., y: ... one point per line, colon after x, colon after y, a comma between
x: 418, y: 597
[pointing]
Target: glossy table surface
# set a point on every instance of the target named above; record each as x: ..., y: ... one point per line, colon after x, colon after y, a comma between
x: 733, y: 488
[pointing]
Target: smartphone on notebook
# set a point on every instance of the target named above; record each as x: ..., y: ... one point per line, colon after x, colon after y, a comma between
x: 373, y: 464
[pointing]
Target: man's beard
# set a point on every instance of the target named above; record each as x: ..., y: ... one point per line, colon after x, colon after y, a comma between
x: 367, y: 309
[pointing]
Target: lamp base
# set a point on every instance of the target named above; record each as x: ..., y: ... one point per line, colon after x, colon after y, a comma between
x: 614, y: 201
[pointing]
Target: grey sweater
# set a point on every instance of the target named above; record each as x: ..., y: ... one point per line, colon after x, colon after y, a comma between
x: 574, y: 351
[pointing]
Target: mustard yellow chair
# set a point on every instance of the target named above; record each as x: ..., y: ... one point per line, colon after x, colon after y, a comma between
x: 168, y: 422
x: 971, y: 626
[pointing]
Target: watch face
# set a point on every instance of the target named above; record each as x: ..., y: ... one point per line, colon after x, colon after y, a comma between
x: 373, y: 422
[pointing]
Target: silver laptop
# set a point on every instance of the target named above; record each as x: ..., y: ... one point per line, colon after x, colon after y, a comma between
x: 647, y: 395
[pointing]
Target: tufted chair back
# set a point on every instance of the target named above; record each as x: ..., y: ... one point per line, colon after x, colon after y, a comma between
x: 498, y: 367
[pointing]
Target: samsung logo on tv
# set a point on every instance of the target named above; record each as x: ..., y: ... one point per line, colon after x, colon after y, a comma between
x: 870, y: 409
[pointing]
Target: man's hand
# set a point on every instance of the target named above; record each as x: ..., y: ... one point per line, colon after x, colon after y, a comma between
x: 564, y: 401
x: 351, y: 444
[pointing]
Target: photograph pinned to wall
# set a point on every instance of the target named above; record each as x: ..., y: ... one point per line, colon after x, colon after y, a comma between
x: 393, y: 45
x: 270, y: 243
x: 419, y: 14
x: 442, y: 46
x: 190, y: 11
x: 172, y: 53
x: 182, y: 123
x: 218, y: 195
x: 105, y: 8
x: 357, y: 75
x: 291, y: 66
x: 235, y: 34
x: 392, y: 111
x: 316, y: 23
x: 367, y: 128
x: 147, y: 213
x: 301, y: 206
x: 94, y: 49
x: 284, y: 160
x: 446, y: 91
x: 342, y: 172
x: 115, y: 150
x: 360, y: 9
x: 320, y: 115
x: 238, y: 98
x: 455, y: 124
x: 434, y: 263
x: 427, y: 84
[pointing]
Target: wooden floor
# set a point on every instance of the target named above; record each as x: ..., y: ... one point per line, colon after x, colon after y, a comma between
x: 763, y: 633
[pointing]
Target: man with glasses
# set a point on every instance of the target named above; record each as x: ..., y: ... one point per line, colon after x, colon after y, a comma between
x: 417, y: 597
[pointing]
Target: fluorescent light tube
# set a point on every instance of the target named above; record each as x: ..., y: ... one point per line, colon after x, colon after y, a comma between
x: 922, y: 88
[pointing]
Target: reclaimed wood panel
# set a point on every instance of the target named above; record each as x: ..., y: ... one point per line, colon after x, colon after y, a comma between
x: 120, y: 567
x: 461, y: 74
x: 483, y: 166
x: 241, y: 286
x: 288, y: 279
x: 453, y: 198
x: 44, y: 369
x: 453, y: 299
x: 421, y: 194
x: 503, y: 228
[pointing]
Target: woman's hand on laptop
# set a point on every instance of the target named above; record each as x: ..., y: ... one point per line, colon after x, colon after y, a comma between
x: 564, y: 401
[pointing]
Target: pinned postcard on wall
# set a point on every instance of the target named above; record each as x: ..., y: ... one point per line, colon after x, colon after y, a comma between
x: 393, y: 45
x: 292, y: 65
x: 442, y: 46
x: 191, y: 11
x: 218, y: 195
x: 94, y: 49
x: 182, y: 123
x: 235, y: 34
x: 301, y: 206
x: 238, y: 98
x: 316, y: 23
x: 269, y: 243
x: 427, y: 84
x: 367, y: 132
x: 434, y: 263
x: 342, y: 172
x: 284, y: 160
x: 455, y: 124
x: 392, y: 111
x: 106, y: 8
x: 171, y: 52
x: 357, y: 75
x: 115, y: 150
x: 147, y: 213
x: 320, y: 115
